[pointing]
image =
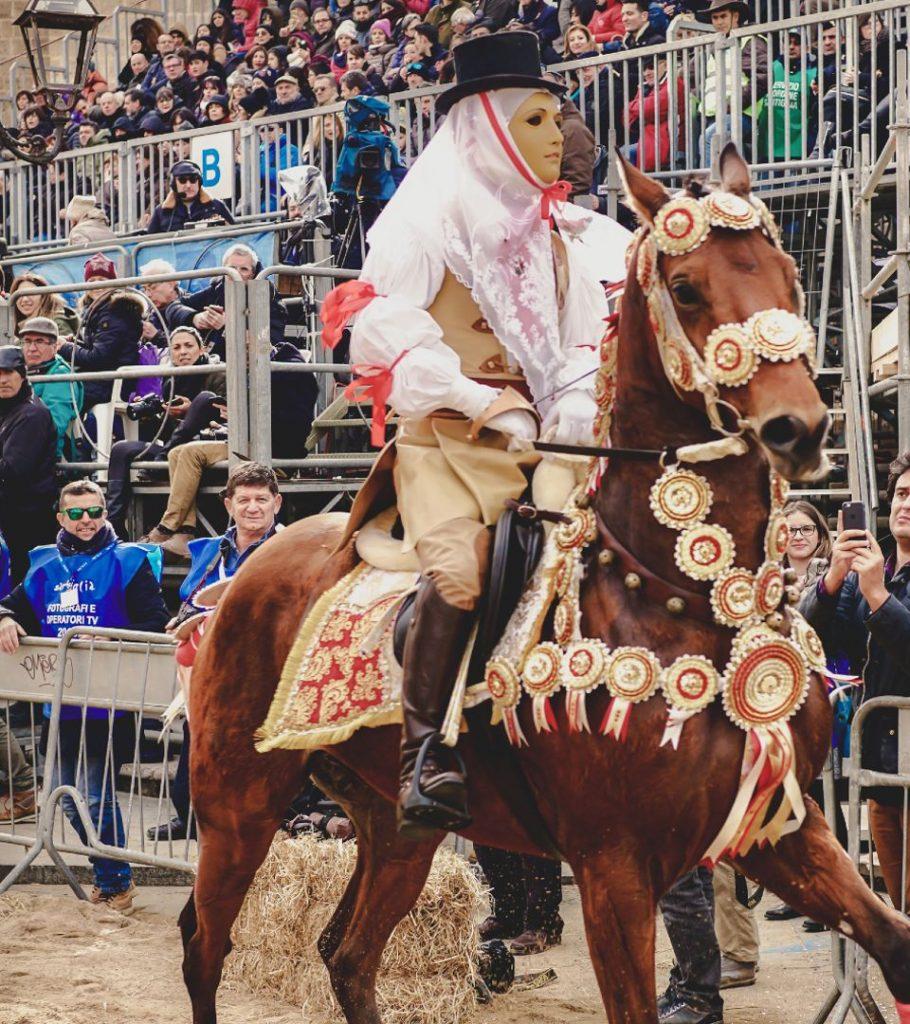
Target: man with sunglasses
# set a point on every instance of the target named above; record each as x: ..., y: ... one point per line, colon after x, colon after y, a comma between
x: 187, y: 202
x: 89, y: 578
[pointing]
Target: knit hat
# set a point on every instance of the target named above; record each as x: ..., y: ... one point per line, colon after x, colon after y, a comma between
x: 100, y: 266
x: 346, y: 28
x: 153, y: 123
x: 254, y: 104
x: 79, y: 206
x: 39, y: 325
x: 11, y: 358
x: 385, y: 25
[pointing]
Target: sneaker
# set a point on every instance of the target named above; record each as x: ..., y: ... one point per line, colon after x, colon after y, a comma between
x: 121, y: 901
x: 679, y: 1012
x: 96, y: 896
x: 173, y: 829
x: 736, y: 973
x: 18, y: 807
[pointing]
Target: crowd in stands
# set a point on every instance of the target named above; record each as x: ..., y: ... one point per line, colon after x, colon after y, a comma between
x: 250, y: 61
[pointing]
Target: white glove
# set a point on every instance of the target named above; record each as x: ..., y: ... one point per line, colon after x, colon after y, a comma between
x: 518, y: 424
x: 571, y: 419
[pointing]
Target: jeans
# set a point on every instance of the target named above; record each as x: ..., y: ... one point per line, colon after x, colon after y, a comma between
x: 95, y: 777
x: 711, y: 131
x: 688, y: 912
x: 526, y: 891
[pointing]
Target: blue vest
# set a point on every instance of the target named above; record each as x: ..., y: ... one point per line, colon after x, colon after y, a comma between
x: 4, y: 569
x: 84, y: 590
x: 202, y: 552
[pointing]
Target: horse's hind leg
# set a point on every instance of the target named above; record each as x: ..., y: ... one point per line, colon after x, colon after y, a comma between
x: 232, y: 844
x: 389, y: 877
x: 810, y: 871
x: 619, y: 907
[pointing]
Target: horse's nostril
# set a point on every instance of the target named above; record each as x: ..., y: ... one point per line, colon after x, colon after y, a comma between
x: 783, y: 433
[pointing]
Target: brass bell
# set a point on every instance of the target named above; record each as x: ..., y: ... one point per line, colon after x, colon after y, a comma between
x: 606, y: 556
x: 676, y: 605
x: 792, y: 594
x: 790, y: 576
x: 632, y: 581
x: 775, y: 621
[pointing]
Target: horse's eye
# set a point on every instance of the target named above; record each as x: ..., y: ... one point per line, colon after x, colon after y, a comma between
x: 685, y: 294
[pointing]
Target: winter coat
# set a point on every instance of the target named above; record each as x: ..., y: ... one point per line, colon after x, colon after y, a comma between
x: 651, y: 112
x: 62, y: 400
x: 606, y: 22
x: 91, y: 229
x: 108, y: 339
x: 877, y: 644
x: 441, y: 17
x: 293, y: 404
x: 174, y: 215
x: 28, y: 453
x: 578, y: 150
x: 496, y: 13
x: 542, y: 19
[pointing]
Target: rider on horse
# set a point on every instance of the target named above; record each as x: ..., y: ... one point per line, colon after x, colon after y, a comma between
x: 479, y: 314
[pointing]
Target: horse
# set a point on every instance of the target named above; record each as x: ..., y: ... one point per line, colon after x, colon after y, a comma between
x: 629, y: 817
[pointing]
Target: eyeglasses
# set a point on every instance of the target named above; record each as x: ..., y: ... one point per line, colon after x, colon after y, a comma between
x: 802, y: 531
x: 185, y: 179
x: 75, y: 514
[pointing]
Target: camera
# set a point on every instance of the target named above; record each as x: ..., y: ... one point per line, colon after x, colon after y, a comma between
x: 149, y: 407
x: 213, y: 434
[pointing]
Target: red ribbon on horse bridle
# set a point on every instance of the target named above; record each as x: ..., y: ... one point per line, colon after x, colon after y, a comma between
x: 340, y: 305
x: 558, y: 192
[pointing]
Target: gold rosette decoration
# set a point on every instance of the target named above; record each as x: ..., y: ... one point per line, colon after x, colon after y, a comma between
x: 565, y: 621
x: 765, y: 683
x: 733, y: 597
x: 730, y: 356
x: 646, y: 267
x: 690, y: 683
x: 680, y: 498
x: 704, y: 551
x: 777, y: 536
x: 583, y: 667
x: 581, y: 529
x: 541, y: 677
x: 679, y: 365
x: 681, y: 225
x: 768, y: 223
x: 728, y: 210
x: 632, y: 675
x: 780, y: 491
x: 779, y: 335
x: 505, y: 689
x: 769, y: 588
x: 809, y: 643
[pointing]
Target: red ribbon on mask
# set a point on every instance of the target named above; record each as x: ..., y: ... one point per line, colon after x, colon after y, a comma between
x: 340, y: 305
x: 374, y: 383
x: 558, y: 192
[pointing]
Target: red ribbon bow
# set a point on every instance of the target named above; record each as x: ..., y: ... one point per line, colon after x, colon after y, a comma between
x: 374, y: 383
x: 558, y: 192
x: 340, y: 305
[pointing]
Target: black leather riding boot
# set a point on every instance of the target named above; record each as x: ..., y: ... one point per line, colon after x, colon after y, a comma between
x: 437, y: 796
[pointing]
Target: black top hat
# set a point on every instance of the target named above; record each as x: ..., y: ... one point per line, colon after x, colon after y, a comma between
x: 505, y: 60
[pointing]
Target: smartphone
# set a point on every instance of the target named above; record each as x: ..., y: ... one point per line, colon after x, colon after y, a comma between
x: 853, y: 515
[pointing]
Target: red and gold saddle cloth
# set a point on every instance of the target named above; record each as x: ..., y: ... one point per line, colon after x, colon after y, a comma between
x: 341, y: 674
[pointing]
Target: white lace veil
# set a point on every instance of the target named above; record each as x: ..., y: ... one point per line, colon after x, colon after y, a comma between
x: 467, y: 205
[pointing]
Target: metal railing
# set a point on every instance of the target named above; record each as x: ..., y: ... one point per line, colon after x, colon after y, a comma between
x: 102, y: 690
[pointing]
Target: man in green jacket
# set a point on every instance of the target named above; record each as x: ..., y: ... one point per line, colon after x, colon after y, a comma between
x: 38, y: 338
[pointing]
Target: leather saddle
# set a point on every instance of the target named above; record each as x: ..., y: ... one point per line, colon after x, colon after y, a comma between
x: 517, y: 545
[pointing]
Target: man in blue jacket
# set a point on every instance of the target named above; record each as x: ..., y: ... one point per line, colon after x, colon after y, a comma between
x: 89, y: 578
x: 187, y: 202
x: 252, y: 501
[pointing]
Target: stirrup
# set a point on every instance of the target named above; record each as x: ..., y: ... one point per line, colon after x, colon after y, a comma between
x: 420, y: 814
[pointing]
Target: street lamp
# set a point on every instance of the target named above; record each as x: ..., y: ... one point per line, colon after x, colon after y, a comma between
x: 41, y: 23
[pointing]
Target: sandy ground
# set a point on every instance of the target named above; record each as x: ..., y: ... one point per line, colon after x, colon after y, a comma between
x: 65, y: 962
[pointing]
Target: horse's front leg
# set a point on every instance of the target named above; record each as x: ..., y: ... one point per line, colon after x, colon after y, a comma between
x: 619, y: 905
x: 810, y: 871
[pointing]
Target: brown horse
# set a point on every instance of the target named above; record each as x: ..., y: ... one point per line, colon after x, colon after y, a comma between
x: 630, y: 817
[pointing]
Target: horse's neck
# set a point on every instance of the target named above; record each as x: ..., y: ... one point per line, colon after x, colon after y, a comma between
x: 649, y: 414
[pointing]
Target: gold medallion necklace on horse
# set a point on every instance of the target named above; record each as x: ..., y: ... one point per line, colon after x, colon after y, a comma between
x: 653, y: 702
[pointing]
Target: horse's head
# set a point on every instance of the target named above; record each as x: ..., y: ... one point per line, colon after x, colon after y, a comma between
x: 726, y: 308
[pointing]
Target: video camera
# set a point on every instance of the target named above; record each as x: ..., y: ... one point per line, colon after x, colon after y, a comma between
x: 368, y: 155
x: 149, y: 407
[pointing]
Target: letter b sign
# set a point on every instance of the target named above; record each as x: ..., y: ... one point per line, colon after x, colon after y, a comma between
x: 215, y: 155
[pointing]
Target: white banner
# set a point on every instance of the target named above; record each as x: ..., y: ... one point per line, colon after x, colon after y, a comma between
x: 215, y: 155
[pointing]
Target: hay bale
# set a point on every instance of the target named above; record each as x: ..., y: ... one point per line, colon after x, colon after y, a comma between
x: 428, y: 969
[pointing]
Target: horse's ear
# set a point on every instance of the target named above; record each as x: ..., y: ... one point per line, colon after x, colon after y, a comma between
x: 645, y: 195
x: 734, y: 172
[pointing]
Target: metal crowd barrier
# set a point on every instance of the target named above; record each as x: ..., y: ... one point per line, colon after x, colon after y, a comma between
x: 787, y: 91
x: 107, y: 767
x: 850, y: 994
